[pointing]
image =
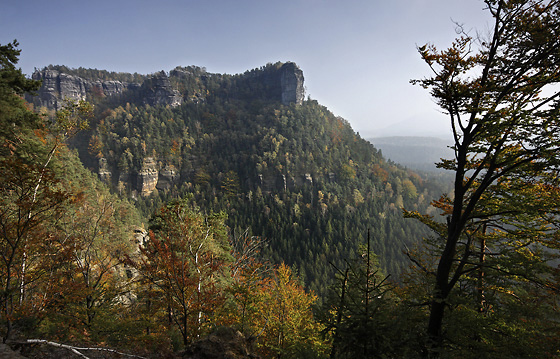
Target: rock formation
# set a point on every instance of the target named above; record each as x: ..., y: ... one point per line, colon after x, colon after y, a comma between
x: 223, y: 343
x: 167, y: 177
x: 58, y: 86
x: 291, y: 82
x: 157, y: 90
x: 147, y: 177
x: 104, y: 173
x: 279, y: 82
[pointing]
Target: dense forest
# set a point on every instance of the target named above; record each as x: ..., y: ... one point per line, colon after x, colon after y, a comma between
x: 295, y: 175
x: 172, y: 214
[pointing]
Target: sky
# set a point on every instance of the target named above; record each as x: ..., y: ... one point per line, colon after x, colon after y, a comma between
x: 357, y: 56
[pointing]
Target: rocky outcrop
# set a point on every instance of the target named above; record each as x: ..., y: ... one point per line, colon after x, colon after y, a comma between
x: 104, y: 173
x: 58, y: 86
x: 147, y: 178
x: 279, y: 82
x: 157, y: 90
x: 167, y: 177
x: 274, y: 182
x: 291, y: 82
x: 224, y: 343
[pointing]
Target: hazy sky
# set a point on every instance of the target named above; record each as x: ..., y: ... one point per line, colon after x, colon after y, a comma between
x: 357, y: 56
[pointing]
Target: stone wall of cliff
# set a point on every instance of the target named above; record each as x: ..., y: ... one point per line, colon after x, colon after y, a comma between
x: 291, y: 82
x: 281, y: 82
x: 58, y: 86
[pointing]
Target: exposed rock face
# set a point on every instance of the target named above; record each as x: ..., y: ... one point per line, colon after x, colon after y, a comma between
x: 224, y: 343
x: 167, y: 177
x: 58, y: 86
x: 291, y: 82
x: 158, y: 91
x: 283, y: 82
x: 105, y: 174
x: 279, y: 82
x: 272, y: 182
x: 147, y: 177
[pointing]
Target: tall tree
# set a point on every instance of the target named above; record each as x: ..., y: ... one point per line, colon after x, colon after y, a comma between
x: 285, y: 316
x: 24, y: 205
x: 183, y: 261
x: 360, y: 311
x: 13, y: 84
x: 499, y: 93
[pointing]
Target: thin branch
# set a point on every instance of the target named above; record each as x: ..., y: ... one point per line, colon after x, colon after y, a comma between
x: 75, y: 350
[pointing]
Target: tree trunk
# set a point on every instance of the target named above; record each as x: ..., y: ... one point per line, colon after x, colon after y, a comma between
x: 341, y: 306
x: 480, y: 281
x: 6, y: 304
x: 441, y: 291
x: 434, y: 327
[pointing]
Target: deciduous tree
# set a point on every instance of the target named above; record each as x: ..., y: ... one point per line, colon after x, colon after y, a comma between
x: 500, y: 93
x: 183, y: 261
x: 286, y: 318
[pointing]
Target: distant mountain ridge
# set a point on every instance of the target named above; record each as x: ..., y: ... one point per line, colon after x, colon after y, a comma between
x: 415, y: 152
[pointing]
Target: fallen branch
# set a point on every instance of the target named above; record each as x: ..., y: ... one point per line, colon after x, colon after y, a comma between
x: 76, y: 350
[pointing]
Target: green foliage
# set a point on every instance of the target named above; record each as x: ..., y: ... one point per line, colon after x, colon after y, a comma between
x: 183, y: 263
x: 62, y: 231
x: 500, y: 237
x: 273, y: 168
x: 364, y: 317
x: 13, y: 84
x: 100, y: 228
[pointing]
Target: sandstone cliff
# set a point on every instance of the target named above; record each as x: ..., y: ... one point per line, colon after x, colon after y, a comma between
x: 278, y: 82
x: 157, y: 90
x: 291, y: 82
x: 57, y: 86
x: 147, y: 177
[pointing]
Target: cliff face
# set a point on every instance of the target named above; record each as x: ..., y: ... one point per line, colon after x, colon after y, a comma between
x: 57, y: 86
x: 291, y: 82
x: 157, y: 90
x: 279, y: 82
x: 147, y: 177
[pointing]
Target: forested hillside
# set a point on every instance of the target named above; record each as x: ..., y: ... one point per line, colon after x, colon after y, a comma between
x: 294, y: 174
x: 174, y: 214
